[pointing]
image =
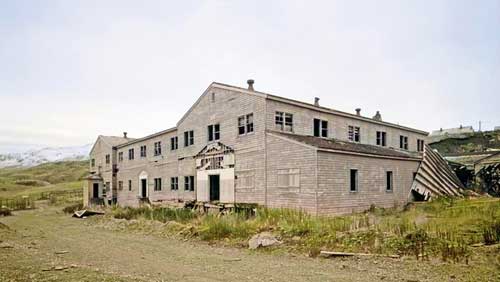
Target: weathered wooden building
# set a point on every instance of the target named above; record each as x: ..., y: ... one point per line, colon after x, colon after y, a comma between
x: 238, y: 145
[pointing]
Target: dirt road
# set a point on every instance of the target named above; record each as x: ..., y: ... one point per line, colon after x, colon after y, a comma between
x: 46, y: 245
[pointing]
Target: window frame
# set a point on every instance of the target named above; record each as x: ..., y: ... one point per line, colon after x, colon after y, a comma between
x: 157, y: 148
x: 381, y: 138
x: 354, y: 133
x: 131, y: 154
x: 353, y: 184
x: 213, y: 132
x: 157, y: 184
x: 189, y: 183
x: 320, y: 128
x: 120, y: 156
x: 389, y: 181
x: 403, y: 142
x: 143, y: 151
x: 420, y: 145
x: 188, y: 138
x: 107, y: 158
x: 174, y: 143
x: 130, y: 185
x: 174, y: 183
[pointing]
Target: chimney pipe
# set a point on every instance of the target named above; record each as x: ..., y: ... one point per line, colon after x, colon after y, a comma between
x: 358, y: 111
x: 316, y: 101
x: 250, y: 84
x: 124, y: 134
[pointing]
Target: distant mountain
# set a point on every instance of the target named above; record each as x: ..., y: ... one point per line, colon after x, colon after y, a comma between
x: 35, y: 157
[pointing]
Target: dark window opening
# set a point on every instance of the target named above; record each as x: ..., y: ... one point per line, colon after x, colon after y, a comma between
x: 354, y: 180
x: 389, y: 182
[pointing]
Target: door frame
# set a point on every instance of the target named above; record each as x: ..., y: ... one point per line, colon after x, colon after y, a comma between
x: 143, y: 176
x: 94, y: 185
x: 210, y: 176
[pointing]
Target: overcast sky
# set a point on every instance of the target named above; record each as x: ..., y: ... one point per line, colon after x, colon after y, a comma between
x: 70, y: 70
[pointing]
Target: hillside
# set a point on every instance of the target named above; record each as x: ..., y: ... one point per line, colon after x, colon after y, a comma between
x: 35, y: 157
x: 478, y: 142
x: 66, y: 175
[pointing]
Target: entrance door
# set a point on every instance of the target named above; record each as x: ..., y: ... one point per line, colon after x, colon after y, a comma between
x: 214, y: 187
x: 95, y: 190
x: 144, y: 188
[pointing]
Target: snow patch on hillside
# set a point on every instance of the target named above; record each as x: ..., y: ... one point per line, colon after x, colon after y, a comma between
x: 35, y: 157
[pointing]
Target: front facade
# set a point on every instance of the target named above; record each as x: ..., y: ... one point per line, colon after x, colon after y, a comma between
x: 237, y: 145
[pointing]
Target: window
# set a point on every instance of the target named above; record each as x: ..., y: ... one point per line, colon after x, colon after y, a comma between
x: 120, y: 185
x: 420, y: 145
x: 320, y: 128
x: 188, y: 138
x: 389, y: 183
x: 381, y: 138
x: 289, y: 177
x: 353, y: 180
x: 213, y: 132
x: 130, y: 154
x: 354, y: 133
x: 157, y: 186
x: 245, y: 124
x: 284, y: 121
x: 130, y: 185
x: 174, y: 144
x: 92, y: 162
x: 120, y: 156
x: 189, y: 183
x: 174, y: 183
x: 143, y: 151
x: 245, y: 179
x: 108, y: 158
x: 158, y: 148
x: 403, y: 142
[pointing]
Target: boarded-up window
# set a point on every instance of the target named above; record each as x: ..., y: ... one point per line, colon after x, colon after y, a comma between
x: 289, y: 177
x: 245, y: 179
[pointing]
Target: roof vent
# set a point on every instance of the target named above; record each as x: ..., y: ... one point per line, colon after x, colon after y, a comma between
x: 377, y: 116
x: 358, y: 111
x: 316, y: 101
x: 124, y: 134
x: 250, y: 84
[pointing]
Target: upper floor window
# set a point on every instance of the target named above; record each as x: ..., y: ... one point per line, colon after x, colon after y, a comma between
x: 188, y: 138
x: 143, y: 151
x: 120, y: 156
x: 284, y: 121
x: 354, y: 133
x: 189, y: 183
x: 174, y: 183
x: 213, y: 132
x: 403, y: 142
x: 420, y: 145
x: 381, y: 138
x: 320, y: 128
x: 245, y: 124
x: 108, y: 159
x: 174, y: 143
x: 158, y: 148
x: 131, y: 154
x: 92, y: 162
x: 157, y: 186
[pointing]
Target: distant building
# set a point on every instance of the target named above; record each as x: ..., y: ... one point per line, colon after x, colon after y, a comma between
x: 460, y: 132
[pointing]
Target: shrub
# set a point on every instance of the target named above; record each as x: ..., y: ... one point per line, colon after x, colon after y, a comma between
x: 5, y: 211
x: 491, y: 233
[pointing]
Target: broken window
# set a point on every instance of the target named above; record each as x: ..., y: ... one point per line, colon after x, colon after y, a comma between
x: 174, y: 183
x: 189, y: 183
x: 284, y: 121
x: 289, y: 177
x: 353, y: 183
x: 389, y: 182
x: 420, y: 145
x: 157, y: 186
x: 131, y: 154
x: 174, y: 145
x: 245, y: 124
x: 158, y: 148
x: 120, y: 156
x: 108, y: 158
x: 213, y: 132
x: 130, y: 185
x: 381, y: 138
x: 354, y: 133
x: 188, y: 138
x: 320, y: 128
x: 143, y: 151
x: 403, y: 142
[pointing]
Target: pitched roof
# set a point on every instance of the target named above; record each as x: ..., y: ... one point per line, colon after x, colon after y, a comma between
x: 111, y: 141
x: 349, y: 147
x: 146, y: 137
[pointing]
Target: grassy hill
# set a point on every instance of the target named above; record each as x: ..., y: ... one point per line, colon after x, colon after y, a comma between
x: 47, y: 177
x: 480, y: 141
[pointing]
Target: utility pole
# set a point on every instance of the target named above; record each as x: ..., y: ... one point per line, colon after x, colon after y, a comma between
x: 479, y: 126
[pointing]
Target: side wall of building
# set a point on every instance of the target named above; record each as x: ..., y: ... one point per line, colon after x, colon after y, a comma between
x: 98, y: 154
x: 334, y: 192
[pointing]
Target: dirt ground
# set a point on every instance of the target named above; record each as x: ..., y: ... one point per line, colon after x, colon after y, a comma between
x: 47, y: 245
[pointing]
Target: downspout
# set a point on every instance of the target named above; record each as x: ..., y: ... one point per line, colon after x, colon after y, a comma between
x: 265, y: 153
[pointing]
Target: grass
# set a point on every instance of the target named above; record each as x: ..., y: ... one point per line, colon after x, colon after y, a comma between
x: 443, y: 228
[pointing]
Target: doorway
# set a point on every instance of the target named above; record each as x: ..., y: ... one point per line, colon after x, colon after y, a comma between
x: 214, y: 181
x: 144, y: 188
x: 95, y: 190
